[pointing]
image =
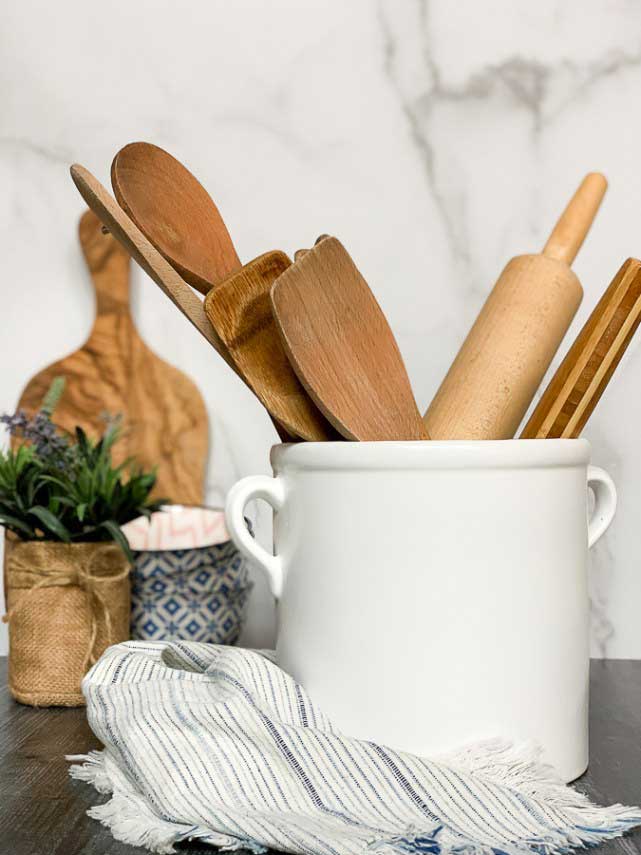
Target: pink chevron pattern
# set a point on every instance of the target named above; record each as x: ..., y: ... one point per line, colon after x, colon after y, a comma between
x: 177, y: 527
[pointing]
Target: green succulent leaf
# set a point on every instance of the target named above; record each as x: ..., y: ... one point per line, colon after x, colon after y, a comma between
x: 50, y: 522
x: 116, y: 533
x: 64, y: 486
x: 17, y: 525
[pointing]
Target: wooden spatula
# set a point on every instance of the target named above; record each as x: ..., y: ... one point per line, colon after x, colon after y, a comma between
x: 340, y: 345
x: 240, y: 310
x: 175, y: 212
x: 580, y: 380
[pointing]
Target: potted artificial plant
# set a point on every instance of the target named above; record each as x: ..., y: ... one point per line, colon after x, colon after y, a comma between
x: 62, y: 503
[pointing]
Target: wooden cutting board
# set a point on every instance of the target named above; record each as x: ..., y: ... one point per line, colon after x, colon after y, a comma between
x: 164, y: 415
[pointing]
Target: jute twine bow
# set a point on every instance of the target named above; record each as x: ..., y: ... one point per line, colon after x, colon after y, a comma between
x: 81, y: 575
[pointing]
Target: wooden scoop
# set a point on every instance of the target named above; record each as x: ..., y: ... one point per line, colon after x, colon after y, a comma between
x: 502, y: 361
x: 341, y: 347
x: 580, y: 380
x: 175, y: 213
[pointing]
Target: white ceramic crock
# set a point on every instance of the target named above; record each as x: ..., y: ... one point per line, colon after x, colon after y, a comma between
x: 432, y: 594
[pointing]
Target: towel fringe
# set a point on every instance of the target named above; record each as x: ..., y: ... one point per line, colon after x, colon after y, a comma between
x: 130, y: 820
x: 520, y: 768
x: 90, y: 768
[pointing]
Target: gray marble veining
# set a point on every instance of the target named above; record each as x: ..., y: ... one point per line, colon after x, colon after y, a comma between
x: 436, y: 140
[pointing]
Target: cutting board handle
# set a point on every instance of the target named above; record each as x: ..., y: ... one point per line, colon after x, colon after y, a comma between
x: 574, y: 223
x: 108, y: 265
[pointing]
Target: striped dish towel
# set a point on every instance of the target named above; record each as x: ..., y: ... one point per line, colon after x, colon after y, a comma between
x: 217, y: 744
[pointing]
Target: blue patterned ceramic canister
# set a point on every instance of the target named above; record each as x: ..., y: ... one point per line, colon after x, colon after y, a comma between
x: 197, y: 593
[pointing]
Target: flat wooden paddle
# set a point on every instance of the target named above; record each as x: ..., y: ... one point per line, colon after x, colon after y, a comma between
x: 580, y: 380
x: 175, y: 213
x: 240, y: 310
x: 340, y: 345
x: 165, y: 420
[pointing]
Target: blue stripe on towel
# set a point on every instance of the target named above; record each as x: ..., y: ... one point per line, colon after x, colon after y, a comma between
x: 219, y: 745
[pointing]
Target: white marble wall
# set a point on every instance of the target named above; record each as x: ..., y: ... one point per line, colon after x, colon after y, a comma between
x: 436, y: 139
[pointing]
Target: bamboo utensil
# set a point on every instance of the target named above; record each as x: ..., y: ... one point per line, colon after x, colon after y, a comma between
x: 580, y: 380
x: 175, y: 213
x: 165, y: 419
x: 502, y: 361
x: 341, y: 347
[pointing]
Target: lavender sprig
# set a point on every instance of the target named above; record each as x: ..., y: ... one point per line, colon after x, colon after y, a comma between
x: 41, y: 432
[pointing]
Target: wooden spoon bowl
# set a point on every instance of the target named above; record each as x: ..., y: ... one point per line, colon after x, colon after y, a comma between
x: 175, y: 213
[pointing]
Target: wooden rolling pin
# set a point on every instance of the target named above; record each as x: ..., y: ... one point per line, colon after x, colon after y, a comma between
x: 502, y: 361
x: 580, y: 380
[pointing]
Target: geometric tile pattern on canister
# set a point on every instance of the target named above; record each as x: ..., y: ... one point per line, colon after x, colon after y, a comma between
x: 197, y: 594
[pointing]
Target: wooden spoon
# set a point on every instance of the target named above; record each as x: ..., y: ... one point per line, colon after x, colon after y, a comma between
x: 340, y: 345
x: 580, y: 380
x: 129, y: 235
x: 175, y: 213
x: 163, y: 274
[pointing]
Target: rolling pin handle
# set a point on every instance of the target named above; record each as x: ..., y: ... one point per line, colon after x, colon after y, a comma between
x: 574, y: 224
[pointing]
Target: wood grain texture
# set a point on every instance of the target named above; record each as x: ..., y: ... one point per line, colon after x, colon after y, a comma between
x: 574, y: 223
x: 165, y: 420
x: 240, y: 310
x: 580, y: 380
x: 175, y: 212
x: 342, y: 349
x: 147, y: 256
x: 503, y: 360
x: 43, y: 812
x: 501, y: 363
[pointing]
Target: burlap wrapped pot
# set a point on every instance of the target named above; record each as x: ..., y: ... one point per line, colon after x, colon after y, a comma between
x: 66, y: 603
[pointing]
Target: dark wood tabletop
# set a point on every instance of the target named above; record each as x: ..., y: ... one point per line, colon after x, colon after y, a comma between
x: 43, y: 812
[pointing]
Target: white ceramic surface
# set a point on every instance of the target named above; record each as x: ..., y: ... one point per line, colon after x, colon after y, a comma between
x: 433, y: 594
x: 177, y: 527
x: 435, y: 139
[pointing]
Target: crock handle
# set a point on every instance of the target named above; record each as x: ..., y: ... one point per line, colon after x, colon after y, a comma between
x: 605, y: 503
x: 255, y: 487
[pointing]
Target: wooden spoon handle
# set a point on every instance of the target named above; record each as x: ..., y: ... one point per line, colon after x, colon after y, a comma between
x: 141, y: 250
x: 574, y: 223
